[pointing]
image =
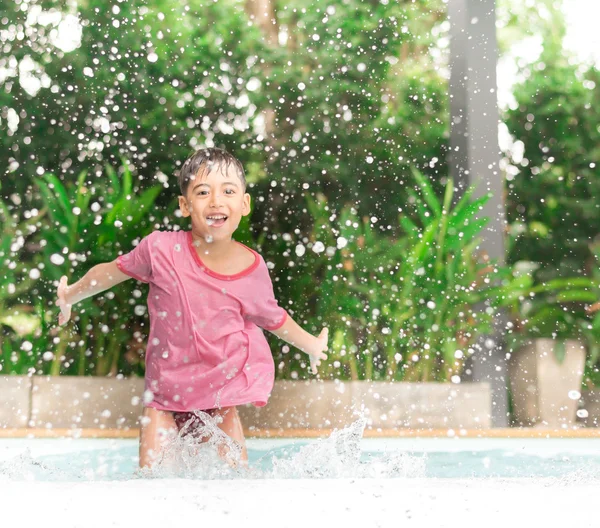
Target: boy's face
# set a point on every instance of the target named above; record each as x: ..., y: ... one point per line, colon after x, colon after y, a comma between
x: 216, y: 201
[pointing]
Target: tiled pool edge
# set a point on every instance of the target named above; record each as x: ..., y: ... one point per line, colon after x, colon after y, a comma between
x: 525, y: 432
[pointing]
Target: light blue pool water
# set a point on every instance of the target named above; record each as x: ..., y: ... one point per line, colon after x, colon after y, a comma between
x: 110, y: 459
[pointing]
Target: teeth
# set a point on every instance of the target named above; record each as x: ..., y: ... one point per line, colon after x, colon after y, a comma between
x: 210, y: 220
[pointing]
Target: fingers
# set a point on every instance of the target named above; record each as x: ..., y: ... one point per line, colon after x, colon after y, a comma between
x: 324, y: 335
x: 62, y: 319
x: 314, y: 363
x: 65, y: 308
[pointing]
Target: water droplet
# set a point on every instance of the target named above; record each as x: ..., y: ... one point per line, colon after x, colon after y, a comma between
x: 57, y: 259
x: 148, y: 397
x: 341, y: 242
x: 318, y: 247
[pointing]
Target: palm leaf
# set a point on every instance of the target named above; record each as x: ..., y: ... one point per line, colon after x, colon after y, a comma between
x: 62, y: 198
x: 427, y: 191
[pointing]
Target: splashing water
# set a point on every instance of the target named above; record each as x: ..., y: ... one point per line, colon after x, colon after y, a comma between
x: 339, y: 456
x: 202, y: 451
x: 22, y: 467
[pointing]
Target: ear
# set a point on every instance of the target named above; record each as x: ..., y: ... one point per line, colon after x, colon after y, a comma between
x: 183, y: 206
x: 246, y: 205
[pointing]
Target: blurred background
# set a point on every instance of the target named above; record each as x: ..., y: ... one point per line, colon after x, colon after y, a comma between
x: 340, y: 113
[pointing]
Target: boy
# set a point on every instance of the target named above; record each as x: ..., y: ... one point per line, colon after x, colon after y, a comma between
x: 208, y: 296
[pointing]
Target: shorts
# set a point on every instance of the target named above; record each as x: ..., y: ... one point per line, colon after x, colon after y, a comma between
x: 183, y: 417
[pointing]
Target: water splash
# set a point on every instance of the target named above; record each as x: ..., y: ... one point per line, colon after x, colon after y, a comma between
x: 200, y: 450
x: 24, y: 467
x: 339, y: 456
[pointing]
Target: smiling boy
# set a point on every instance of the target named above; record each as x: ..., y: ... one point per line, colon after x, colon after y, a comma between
x: 208, y: 299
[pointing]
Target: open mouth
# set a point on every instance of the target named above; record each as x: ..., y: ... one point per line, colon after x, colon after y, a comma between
x: 216, y: 220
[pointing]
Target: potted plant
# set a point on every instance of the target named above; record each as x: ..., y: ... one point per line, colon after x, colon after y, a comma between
x: 557, y: 330
x: 399, y: 310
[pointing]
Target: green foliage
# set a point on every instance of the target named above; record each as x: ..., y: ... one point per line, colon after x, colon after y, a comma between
x: 354, y: 109
x: 15, y: 280
x: 86, y: 224
x: 106, y: 99
x: 399, y: 309
x: 561, y: 309
x: 553, y: 185
x: 552, y: 200
x: 350, y: 112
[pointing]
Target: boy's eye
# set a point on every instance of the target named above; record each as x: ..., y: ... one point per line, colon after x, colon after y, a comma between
x: 227, y: 191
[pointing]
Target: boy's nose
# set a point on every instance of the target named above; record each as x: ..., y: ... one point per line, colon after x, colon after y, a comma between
x: 215, y: 198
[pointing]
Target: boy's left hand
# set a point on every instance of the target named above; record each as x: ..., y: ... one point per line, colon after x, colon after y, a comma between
x: 318, y: 353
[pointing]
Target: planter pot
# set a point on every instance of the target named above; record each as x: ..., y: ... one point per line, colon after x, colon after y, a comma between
x: 331, y: 404
x: 15, y: 397
x: 545, y: 392
x: 85, y: 402
x: 302, y: 405
x: 423, y: 405
x: 100, y: 403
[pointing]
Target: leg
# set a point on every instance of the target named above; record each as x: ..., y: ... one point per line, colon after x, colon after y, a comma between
x: 155, y: 428
x: 232, y: 427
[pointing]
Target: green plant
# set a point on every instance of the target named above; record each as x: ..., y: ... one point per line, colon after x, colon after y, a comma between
x: 15, y: 281
x: 404, y: 309
x: 88, y: 235
x: 561, y: 309
x: 552, y: 175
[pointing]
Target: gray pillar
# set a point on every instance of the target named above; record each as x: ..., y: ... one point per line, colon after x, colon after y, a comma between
x: 474, y: 160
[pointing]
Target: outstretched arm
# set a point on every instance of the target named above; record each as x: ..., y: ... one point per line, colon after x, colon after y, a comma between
x: 315, y: 347
x: 96, y: 280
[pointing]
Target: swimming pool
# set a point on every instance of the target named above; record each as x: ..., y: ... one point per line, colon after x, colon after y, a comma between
x: 88, y: 459
x: 294, y: 482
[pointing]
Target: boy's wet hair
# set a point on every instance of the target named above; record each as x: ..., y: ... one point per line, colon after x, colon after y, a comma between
x: 204, y: 160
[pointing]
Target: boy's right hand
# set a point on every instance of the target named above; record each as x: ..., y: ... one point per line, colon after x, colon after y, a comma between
x: 62, y: 303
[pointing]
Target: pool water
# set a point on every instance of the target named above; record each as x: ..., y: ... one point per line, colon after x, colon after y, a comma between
x: 335, y: 457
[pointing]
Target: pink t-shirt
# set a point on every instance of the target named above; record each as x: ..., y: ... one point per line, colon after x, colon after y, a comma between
x: 205, y: 348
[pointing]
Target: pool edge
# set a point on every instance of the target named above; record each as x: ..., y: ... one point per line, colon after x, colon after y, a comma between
x: 319, y: 433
